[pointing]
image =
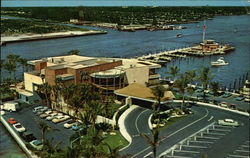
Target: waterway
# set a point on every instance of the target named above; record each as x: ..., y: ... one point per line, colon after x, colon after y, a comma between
x: 8, y: 146
x: 234, y: 30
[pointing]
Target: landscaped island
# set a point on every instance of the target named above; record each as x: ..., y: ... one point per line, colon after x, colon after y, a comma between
x: 15, y: 30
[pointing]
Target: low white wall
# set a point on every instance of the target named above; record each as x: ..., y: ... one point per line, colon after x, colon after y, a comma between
x: 18, y: 139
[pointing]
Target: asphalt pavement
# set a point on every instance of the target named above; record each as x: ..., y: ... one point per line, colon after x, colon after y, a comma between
x: 184, y: 128
x: 29, y: 120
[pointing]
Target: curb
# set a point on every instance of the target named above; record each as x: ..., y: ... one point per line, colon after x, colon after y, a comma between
x: 122, y: 127
x: 216, y: 106
x: 149, y: 122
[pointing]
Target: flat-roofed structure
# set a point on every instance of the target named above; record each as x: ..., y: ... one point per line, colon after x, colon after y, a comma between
x: 107, y: 74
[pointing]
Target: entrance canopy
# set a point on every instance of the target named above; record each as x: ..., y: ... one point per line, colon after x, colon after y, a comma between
x: 142, y: 92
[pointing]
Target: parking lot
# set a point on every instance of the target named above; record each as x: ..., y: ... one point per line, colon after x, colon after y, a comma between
x: 29, y: 120
x: 241, y: 152
x: 199, y: 143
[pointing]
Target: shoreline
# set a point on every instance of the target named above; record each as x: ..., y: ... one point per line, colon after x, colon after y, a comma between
x: 34, y: 37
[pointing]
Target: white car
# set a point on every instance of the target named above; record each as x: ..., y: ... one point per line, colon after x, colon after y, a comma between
x: 18, y: 127
x: 70, y: 123
x: 53, y: 115
x: 37, y: 144
x: 60, y: 118
x: 36, y: 109
x: 48, y: 112
x: 228, y: 122
x: 224, y: 104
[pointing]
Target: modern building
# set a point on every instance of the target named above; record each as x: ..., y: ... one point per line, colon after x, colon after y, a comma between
x: 107, y: 74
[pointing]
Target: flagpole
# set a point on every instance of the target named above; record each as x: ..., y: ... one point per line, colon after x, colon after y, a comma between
x: 204, y: 32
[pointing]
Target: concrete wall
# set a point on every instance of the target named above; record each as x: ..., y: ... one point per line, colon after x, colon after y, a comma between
x: 137, y: 75
x: 29, y: 79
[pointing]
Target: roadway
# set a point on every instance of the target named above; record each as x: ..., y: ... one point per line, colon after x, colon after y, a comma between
x: 137, y: 122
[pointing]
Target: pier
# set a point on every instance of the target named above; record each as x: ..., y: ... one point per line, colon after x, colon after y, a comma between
x: 206, y: 48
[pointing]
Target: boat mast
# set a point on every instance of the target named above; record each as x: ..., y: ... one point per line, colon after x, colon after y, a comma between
x: 204, y: 31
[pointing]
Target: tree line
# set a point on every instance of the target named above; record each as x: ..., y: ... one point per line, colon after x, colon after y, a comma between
x: 123, y: 15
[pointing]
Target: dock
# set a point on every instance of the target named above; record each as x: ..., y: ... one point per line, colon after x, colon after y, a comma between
x: 207, y: 48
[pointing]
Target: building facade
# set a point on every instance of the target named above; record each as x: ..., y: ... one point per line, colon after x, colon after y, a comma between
x: 106, y: 74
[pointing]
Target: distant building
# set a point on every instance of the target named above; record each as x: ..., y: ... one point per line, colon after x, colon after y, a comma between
x: 107, y: 74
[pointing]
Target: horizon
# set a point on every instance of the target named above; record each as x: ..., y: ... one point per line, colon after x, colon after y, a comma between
x: 120, y: 3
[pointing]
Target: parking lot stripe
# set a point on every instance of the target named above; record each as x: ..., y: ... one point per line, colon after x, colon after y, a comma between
x: 238, y: 156
x: 194, y: 146
x: 187, y: 151
x: 172, y: 156
x: 242, y: 151
x: 217, y: 134
x: 220, y: 126
x: 208, y: 137
x: 205, y: 142
x: 245, y: 146
x: 220, y: 130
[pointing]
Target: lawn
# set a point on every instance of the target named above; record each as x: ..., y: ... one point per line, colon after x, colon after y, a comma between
x: 116, y: 140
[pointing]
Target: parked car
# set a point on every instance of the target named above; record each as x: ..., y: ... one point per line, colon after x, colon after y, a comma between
x: 226, y: 95
x: 45, y: 109
x: 228, y: 122
x: 60, y: 118
x: 75, y: 127
x: 18, y: 127
x: 37, y: 144
x: 27, y: 136
x: 240, y: 98
x: 39, y: 113
x: 43, y: 115
x: 70, y: 123
x: 224, y: 104
x: 36, y: 109
x: 12, y: 121
x: 53, y: 115
x: 48, y: 112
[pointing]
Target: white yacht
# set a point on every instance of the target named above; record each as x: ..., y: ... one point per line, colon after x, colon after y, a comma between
x: 219, y: 62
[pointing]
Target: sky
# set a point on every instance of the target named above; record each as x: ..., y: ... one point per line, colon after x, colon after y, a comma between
x: 30, y: 3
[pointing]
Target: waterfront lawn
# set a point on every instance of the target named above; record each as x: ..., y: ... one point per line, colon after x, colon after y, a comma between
x: 115, y: 140
x: 18, y: 26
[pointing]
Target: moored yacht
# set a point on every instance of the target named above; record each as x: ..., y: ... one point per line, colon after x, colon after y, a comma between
x: 219, y: 62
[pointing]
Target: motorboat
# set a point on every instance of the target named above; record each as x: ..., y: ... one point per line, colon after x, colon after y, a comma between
x: 179, y: 35
x: 219, y: 62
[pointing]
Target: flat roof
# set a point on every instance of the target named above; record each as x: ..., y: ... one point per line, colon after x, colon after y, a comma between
x: 141, y: 91
x: 25, y: 93
x: 108, y: 73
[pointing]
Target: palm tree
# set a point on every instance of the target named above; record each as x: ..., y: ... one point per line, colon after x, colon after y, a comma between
x: 215, y: 88
x: 191, y: 77
x: 205, y: 77
x: 1, y: 66
x: 46, y: 90
x: 10, y: 67
x: 182, y: 84
x: 153, y: 142
x: 24, y: 63
x: 158, y: 91
x: 44, y: 127
x: 173, y: 71
x: 13, y: 59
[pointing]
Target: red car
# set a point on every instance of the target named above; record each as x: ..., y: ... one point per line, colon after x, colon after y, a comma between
x: 12, y: 121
